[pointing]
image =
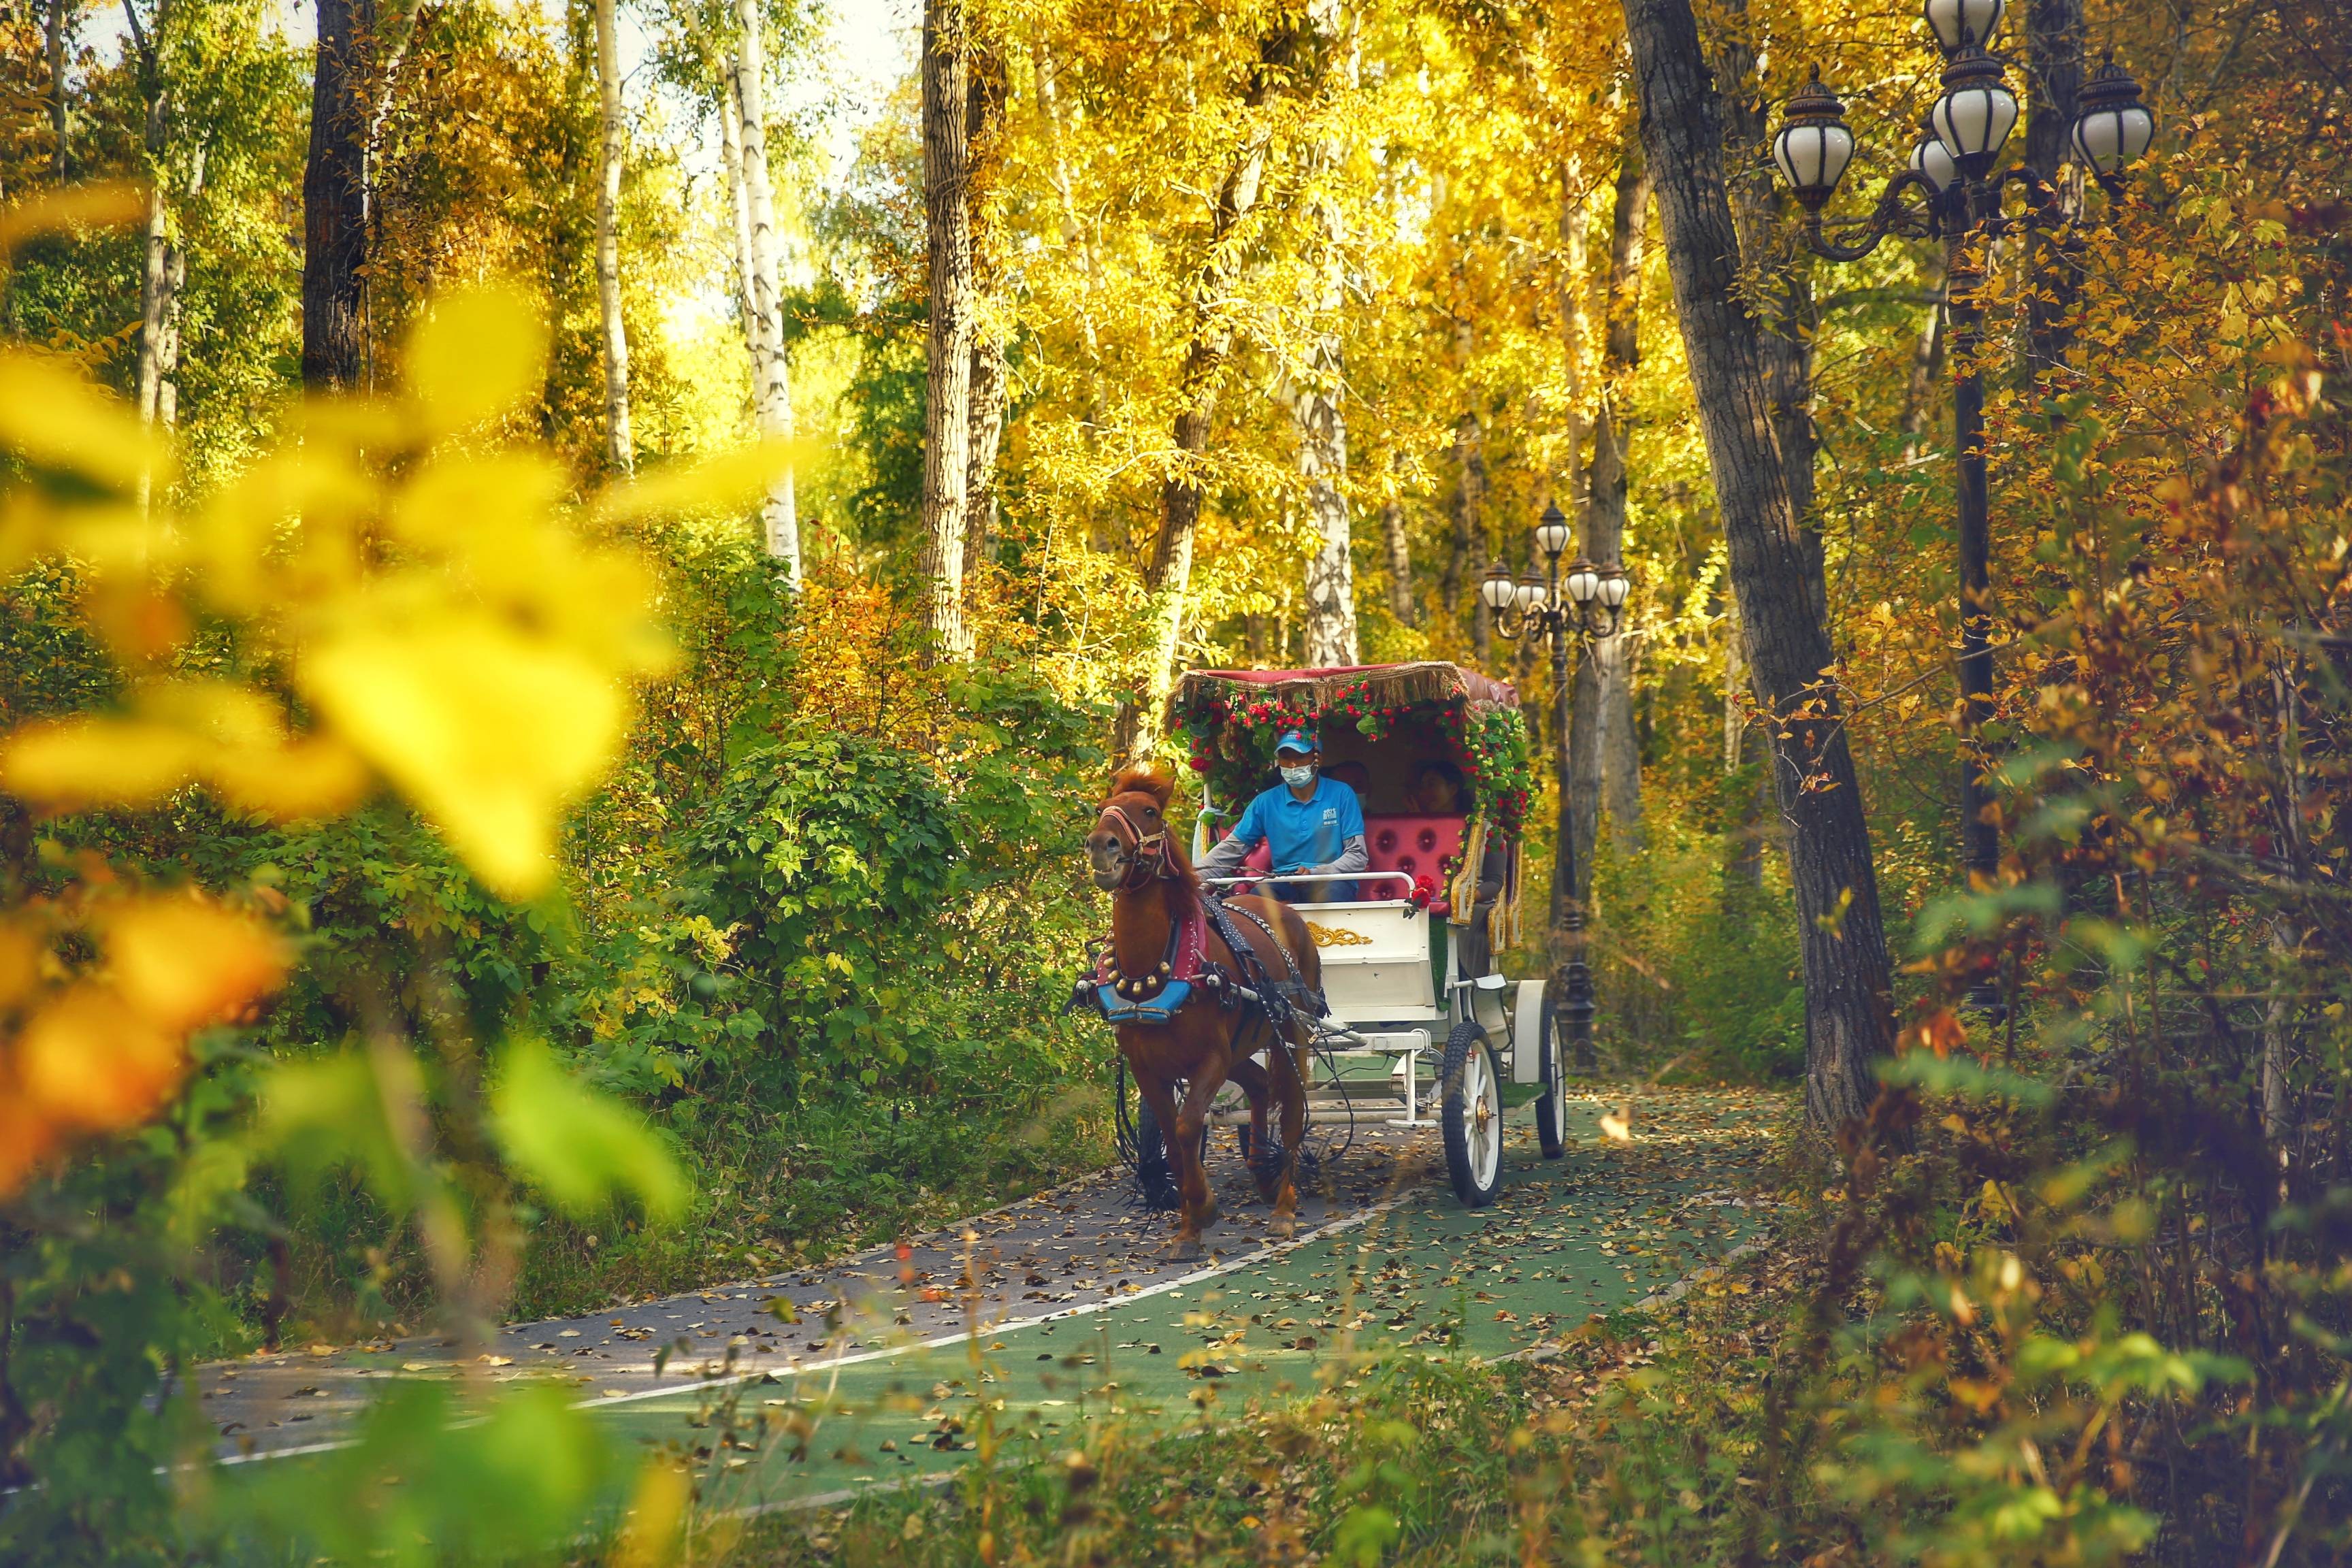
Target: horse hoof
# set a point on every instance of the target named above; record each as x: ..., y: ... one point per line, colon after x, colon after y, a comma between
x: 1185, y: 1248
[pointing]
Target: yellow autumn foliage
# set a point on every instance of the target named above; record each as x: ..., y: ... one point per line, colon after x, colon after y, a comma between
x: 417, y: 603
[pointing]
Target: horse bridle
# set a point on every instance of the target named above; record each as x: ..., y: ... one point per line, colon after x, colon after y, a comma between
x: 1138, y: 845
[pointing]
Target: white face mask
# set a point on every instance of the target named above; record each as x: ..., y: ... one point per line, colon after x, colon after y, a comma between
x: 1299, y: 777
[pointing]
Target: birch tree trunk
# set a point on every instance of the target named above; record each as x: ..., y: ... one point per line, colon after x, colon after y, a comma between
x: 984, y: 134
x: 54, y: 29
x: 1330, y: 609
x: 772, y: 398
x: 947, y: 401
x: 1745, y: 861
x: 619, y: 449
x: 1169, y: 577
x: 1848, y: 982
x: 166, y: 265
x: 1463, y: 567
x: 738, y: 198
x: 1927, y: 365
x: 1400, y: 557
x: 1604, y: 761
x: 1330, y: 631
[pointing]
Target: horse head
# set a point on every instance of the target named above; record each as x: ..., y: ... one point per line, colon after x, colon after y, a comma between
x: 1131, y: 844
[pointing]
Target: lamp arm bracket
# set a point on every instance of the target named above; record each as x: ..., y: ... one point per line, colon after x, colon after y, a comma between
x: 1890, y: 215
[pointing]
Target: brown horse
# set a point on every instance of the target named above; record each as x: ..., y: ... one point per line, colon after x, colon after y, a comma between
x: 1136, y: 858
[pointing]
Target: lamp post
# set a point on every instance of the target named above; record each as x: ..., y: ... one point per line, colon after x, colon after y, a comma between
x: 1590, y: 601
x: 1960, y: 201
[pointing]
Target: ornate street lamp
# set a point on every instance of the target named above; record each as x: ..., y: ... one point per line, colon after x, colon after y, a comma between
x: 1959, y: 199
x: 2113, y: 128
x: 1587, y: 602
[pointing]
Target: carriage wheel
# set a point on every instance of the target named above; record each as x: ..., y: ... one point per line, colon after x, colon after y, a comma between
x: 1551, y: 1108
x: 1472, y: 1116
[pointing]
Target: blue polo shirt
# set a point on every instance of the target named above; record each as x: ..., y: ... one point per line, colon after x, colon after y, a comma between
x: 1305, y: 833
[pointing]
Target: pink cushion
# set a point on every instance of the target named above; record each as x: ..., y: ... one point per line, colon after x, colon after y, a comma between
x: 1418, y: 847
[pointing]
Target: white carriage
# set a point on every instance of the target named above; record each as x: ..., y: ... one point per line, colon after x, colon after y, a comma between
x: 1421, y: 1018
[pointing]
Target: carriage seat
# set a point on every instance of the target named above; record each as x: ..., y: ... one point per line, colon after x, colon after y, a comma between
x: 1416, y: 846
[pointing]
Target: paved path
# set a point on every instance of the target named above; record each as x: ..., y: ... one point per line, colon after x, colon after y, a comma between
x: 1084, y: 1242
x: 1066, y: 1308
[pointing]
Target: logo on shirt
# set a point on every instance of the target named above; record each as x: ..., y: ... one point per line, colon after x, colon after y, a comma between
x: 1331, y: 813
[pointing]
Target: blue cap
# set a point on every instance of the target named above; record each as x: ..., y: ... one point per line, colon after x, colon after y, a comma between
x: 1295, y: 740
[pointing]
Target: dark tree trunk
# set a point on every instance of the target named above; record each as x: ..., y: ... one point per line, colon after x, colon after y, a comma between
x: 1848, y: 991
x: 2053, y: 79
x: 1776, y: 272
x: 335, y: 199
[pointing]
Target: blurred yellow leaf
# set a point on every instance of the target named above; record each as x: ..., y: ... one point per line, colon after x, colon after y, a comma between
x: 491, y: 732
x: 1618, y: 1125
x: 20, y: 965
x: 184, y: 963
x: 97, y: 761
x: 54, y: 419
x: 27, y: 1138
x: 310, y: 778
x: 108, y: 204
x: 93, y: 1062
x: 656, y: 1525
x: 731, y: 481
x: 475, y: 355
x: 227, y: 735
x: 447, y: 501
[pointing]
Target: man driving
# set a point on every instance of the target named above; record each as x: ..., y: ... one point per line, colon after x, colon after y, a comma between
x: 1309, y: 822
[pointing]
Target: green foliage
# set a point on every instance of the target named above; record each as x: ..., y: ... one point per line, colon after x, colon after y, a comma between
x: 432, y: 1477
x: 1695, y: 960
x: 581, y: 1151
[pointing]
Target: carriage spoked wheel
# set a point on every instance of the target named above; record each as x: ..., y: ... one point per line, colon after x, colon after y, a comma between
x: 1472, y: 1116
x: 1552, y: 1106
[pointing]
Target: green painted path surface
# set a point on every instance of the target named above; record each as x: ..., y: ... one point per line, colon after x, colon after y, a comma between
x: 1610, y: 1225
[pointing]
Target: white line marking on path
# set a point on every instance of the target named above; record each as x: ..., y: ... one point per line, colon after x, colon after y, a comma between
x: 1215, y: 1271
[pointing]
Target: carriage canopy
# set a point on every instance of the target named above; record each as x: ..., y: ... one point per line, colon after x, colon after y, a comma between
x: 1392, y: 718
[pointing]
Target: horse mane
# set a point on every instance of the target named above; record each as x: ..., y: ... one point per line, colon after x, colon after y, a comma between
x: 1144, y: 779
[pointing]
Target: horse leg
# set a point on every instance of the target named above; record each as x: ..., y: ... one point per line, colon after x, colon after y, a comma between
x: 1161, y: 1099
x: 1200, y: 1204
x: 1255, y: 1084
x: 1290, y: 1088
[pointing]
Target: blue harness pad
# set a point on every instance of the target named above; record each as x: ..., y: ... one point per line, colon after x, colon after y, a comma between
x: 1156, y: 1010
